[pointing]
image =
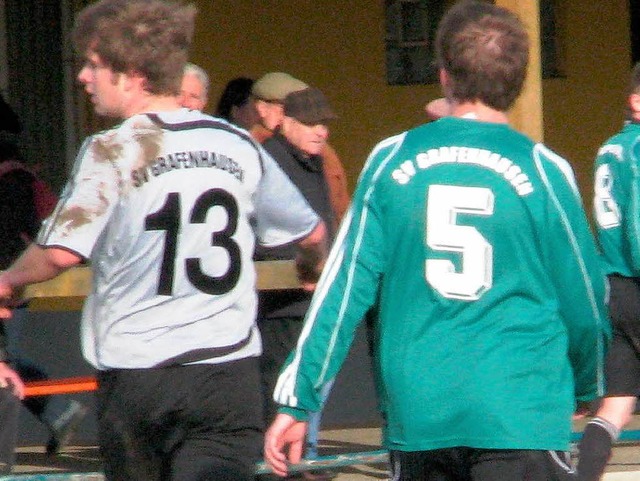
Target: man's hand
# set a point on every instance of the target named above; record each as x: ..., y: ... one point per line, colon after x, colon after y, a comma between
x: 312, y: 253
x: 9, y: 298
x: 9, y: 379
x: 284, y: 443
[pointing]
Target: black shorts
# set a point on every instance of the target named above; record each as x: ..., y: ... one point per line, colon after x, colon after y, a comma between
x: 279, y: 337
x: 471, y: 464
x: 181, y: 423
x: 622, y: 366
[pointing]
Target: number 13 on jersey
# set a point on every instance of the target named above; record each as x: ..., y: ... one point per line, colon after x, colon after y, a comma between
x: 443, y: 233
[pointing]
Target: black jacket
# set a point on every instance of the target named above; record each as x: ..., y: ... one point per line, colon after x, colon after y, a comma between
x: 307, y: 175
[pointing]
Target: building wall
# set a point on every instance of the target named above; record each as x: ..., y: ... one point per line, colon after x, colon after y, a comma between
x: 586, y: 106
x: 338, y: 46
x: 335, y: 45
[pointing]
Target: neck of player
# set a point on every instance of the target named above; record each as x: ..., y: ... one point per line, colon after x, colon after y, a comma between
x: 479, y: 111
x: 153, y: 103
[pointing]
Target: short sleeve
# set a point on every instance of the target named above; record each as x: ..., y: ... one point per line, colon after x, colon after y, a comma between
x: 282, y: 214
x: 86, y: 202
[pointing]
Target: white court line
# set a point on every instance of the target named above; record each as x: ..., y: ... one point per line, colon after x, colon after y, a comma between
x: 622, y: 476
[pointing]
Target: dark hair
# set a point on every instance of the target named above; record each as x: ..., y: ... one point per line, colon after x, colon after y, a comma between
x: 634, y: 81
x: 9, y: 149
x: 236, y: 93
x: 634, y: 88
x: 148, y: 37
x: 484, y: 50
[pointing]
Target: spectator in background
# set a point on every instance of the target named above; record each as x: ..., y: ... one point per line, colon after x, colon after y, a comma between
x: 11, y: 385
x: 25, y: 201
x: 269, y: 92
x: 235, y: 104
x: 194, y: 90
x: 296, y: 146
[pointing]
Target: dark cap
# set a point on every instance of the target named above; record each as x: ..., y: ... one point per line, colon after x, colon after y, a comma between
x: 308, y: 106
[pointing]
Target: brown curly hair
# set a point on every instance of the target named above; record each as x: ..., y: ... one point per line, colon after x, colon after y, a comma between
x: 148, y: 37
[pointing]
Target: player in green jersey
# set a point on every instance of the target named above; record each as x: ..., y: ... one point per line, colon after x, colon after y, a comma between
x: 470, y: 243
x: 617, y: 216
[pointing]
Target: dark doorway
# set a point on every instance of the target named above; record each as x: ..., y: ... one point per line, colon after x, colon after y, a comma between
x: 634, y: 15
x: 36, y: 82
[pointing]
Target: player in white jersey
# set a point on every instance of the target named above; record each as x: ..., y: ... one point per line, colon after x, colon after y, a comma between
x: 166, y: 207
x: 469, y: 243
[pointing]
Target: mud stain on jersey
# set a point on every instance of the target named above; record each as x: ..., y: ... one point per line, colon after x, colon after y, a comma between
x: 106, y: 149
x: 75, y: 216
x: 149, y: 138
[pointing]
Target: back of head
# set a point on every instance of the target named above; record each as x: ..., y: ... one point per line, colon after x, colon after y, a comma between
x: 148, y: 37
x: 634, y: 81
x: 275, y: 86
x: 484, y: 50
x: 236, y: 93
x: 632, y: 108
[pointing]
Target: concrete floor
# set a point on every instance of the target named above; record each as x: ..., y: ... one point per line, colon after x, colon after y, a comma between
x: 53, y: 341
x: 33, y: 464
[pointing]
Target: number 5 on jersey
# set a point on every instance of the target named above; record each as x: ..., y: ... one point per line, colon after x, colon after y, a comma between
x: 444, y: 203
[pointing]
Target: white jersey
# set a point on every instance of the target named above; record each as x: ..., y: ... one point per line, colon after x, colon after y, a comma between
x: 166, y: 207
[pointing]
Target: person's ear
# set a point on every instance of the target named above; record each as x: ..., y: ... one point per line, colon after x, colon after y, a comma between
x: 233, y: 113
x: 286, y: 124
x: 444, y: 78
x: 634, y: 104
x: 261, y: 108
x: 445, y: 83
x: 133, y: 80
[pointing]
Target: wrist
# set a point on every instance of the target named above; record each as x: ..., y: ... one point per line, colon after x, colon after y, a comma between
x: 296, y: 413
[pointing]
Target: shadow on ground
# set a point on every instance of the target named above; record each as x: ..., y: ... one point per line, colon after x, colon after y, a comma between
x: 75, y: 459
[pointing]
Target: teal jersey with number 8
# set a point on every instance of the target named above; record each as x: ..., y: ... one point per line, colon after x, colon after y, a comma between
x: 470, y: 244
x: 615, y: 201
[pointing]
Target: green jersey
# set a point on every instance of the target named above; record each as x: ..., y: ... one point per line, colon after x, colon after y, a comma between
x: 470, y: 243
x: 615, y: 201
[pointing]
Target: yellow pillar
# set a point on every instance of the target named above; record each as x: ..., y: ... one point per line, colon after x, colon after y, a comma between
x: 527, y: 114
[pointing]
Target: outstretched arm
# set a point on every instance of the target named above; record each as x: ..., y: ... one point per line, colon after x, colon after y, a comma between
x: 36, y: 264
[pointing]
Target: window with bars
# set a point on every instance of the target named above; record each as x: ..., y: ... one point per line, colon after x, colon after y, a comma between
x: 410, y: 33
